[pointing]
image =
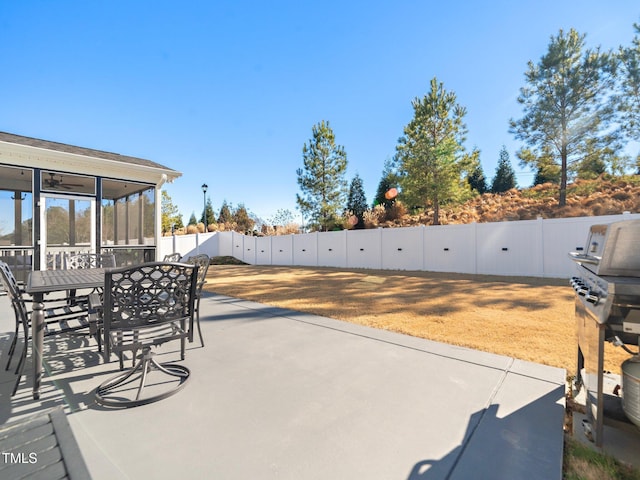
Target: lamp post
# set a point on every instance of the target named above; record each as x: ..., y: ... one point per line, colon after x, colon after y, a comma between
x: 204, y: 209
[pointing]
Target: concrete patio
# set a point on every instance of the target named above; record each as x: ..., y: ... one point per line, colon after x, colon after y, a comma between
x: 288, y: 395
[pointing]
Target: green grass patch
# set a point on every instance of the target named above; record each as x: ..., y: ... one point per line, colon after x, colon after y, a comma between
x: 536, y: 193
x: 226, y: 260
x: 581, y: 462
x: 584, y: 189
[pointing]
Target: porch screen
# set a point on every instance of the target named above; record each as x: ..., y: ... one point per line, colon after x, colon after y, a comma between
x: 128, y: 214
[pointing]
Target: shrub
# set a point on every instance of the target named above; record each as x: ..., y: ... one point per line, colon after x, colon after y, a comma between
x: 373, y: 217
x: 289, y: 228
x: 396, y: 211
x: 622, y: 196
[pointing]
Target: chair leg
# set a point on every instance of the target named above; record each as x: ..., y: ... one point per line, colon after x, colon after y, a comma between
x: 197, y: 315
x: 15, y: 386
x: 20, y: 367
x: 145, y: 364
x: 198, y: 322
x: 23, y: 357
x: 145, y: 369
x: 12, y: 348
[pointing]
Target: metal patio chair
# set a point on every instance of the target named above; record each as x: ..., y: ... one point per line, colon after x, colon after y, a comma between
x: 172, y: 257
x: 59, y: 319
x: 145, y: 306
x: 90, y: 260
x: 202, y: 261
x: 87, y: 260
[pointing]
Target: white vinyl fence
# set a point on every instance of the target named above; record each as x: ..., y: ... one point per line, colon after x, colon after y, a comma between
x: 535, y: 248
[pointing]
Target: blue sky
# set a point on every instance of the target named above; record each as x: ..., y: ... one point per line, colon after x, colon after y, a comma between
x: 227, y: 92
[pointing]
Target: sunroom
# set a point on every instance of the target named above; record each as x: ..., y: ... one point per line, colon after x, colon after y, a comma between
x: 58, y: 199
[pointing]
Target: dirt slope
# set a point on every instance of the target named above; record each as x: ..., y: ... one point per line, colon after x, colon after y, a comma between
x: 584, y: 198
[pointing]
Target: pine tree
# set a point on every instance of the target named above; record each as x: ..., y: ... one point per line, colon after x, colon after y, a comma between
x: 547, y: 170
x: 192, y: 219
x: 567, y: 106
x: 628, y: 100
x: 208, y: 212
x: 356, y: 201
x: 388, y: 181
x: 242, y: 219
x: 505, y: 178
x: 171, y: 217
x: 322, y: 179
x: 225, y: 215
x: 547, y: 173
x: 476, y: 179
x: 430, y: 155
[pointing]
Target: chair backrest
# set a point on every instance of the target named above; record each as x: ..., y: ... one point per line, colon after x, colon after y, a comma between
x: 13, y: 291
x: 90, y: 260
x: 172, y: 257
x: 8, y: 280
x: 148, y: 294
x: 202, y: 261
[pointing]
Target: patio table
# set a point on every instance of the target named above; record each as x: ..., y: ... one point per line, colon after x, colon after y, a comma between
x: 41, y: 282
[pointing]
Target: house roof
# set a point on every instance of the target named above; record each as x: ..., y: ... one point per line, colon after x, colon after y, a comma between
x: 89, y: 152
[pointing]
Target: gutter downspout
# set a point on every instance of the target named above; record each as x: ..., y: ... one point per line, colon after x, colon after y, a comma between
x: 158, y: 215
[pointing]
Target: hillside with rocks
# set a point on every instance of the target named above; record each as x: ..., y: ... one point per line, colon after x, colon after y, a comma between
x: 584, y: 198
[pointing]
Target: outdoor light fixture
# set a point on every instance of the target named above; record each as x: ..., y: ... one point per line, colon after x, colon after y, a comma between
x: 204, y: 209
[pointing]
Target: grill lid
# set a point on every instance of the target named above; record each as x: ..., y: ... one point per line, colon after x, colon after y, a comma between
x: 612, y: 249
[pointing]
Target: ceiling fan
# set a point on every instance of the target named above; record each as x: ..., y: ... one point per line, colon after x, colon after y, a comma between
x: 56, y: 183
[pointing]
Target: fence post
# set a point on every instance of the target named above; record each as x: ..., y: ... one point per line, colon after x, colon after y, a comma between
x: 422, y: 247
x: 346, y: 248
x: 381, y: 253
x: 292, y: 253
x: 541, y: 246
x: 474, y: 231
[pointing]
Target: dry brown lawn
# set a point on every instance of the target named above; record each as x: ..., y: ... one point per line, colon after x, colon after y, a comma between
x: 523, y: 317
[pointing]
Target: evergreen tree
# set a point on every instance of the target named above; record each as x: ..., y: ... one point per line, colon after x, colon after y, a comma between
x: 243, y: 221
x: 547, y: 173
x: 430, y: 155
x: 192, y: 219
x: 225, y: 215
x: 628, y: 99
x: 388, y: 181
x: 169, y: 213
x: 505, y: 178
x: 356, y: 201
x: 476, y: 179
x: 322, y: 179
x: 208, y: 217
x: 567, y: 107
x: 544, y: 165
